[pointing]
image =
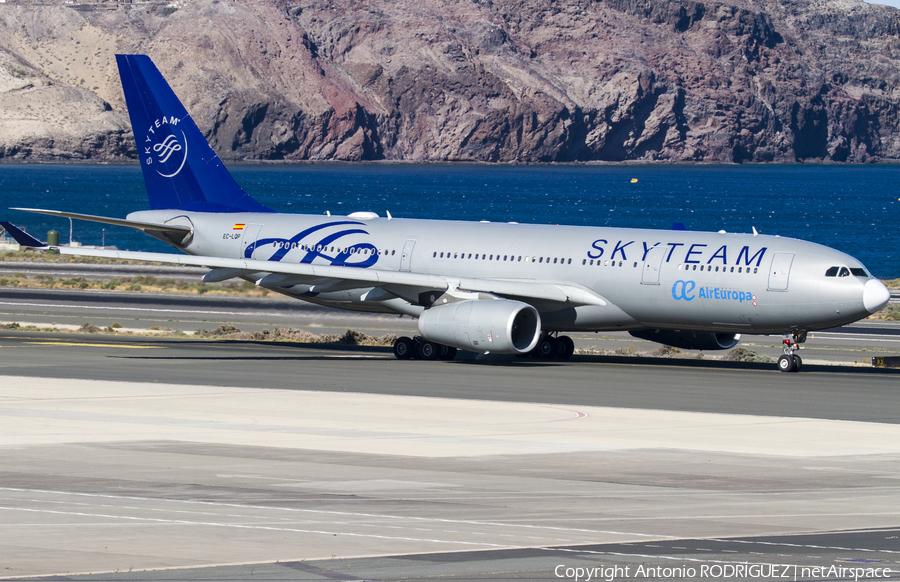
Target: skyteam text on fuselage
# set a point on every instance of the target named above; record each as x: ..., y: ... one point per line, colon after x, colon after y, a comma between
x: 484, y: 287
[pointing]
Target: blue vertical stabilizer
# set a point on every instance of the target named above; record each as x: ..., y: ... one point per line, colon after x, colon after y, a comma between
x: 180, y: 169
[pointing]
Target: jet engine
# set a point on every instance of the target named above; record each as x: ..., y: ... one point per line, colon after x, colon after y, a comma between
x: 498, y: 326
x: 690, y: 340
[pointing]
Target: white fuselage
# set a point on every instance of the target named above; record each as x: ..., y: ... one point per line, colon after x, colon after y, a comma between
x: 649, y: 278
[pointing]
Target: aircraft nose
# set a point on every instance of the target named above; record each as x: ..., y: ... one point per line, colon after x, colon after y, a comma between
x: 875, y: 295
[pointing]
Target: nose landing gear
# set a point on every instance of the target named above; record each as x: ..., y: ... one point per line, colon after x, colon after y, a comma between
x: 791, y: 362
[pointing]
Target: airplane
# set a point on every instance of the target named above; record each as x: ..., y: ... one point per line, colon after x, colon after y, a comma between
x: 490, y: 288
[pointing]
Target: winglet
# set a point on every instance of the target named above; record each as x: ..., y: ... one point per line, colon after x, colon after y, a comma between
x: 23, y: 238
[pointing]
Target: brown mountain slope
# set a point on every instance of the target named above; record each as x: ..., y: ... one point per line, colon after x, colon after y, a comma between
x: 501, y: 80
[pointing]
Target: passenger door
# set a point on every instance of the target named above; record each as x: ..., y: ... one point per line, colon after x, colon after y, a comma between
x: 248, y: 237
x: 406, y: 255
x: 652, y: 265
x: 780, y: 271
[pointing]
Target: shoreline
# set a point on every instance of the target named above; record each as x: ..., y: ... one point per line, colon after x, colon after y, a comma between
x: 576, y: 163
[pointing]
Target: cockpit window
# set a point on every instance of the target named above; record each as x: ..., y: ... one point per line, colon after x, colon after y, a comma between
x: 845, y: 272
x: 832, y: 272
x: 860, y: 273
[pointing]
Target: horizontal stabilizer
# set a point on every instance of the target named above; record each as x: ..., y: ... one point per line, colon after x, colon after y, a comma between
x: 145, y: 226
x: 23, y: 238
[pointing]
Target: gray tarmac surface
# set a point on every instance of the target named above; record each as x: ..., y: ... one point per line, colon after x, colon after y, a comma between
x: 768, y: 557
x: 832, y: 392
x: 148, y: 496
x: 855, y: 344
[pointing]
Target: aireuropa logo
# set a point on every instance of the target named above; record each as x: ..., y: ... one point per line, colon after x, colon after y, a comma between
x: 683, y: 290
x: 165, y: 150
x: 686, y: 290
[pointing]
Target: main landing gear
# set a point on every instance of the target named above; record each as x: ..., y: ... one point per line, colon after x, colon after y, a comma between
x: 418, y: 348
x: 548, y: 348
x: 791, y: 362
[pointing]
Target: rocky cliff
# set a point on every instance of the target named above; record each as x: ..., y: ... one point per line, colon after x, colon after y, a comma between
x: 476, y: 80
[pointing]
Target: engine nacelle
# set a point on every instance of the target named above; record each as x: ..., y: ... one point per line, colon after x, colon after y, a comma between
x: 497, y: 326
x: 690, y: 340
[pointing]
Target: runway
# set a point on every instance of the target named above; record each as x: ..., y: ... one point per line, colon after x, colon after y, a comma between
x: 139, y: 458
x: 622, y: 382
x: 854, y: 344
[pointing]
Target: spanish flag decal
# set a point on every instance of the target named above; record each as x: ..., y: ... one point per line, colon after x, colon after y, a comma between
x: 238, y: 227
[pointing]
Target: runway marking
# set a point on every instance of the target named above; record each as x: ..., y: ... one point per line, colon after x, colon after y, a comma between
x: 147, y: 309
x: 363, y: 525
x: 854, y: 337
x: 349, y: 514
x: 255, y: 527
x: 381, y: 526
x: 808, y: 546
x: 86, y: 345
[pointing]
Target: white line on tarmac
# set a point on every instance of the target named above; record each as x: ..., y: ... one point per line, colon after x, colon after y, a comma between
x: 109, y: 308
x: 414, y: 518
x: 255, y: 527
x: 259, y: 517
x: 852, y: 336
x: 348, y: 513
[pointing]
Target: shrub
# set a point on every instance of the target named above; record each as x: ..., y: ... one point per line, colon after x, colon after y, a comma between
x: 89, y: 328
x: 745, y: 355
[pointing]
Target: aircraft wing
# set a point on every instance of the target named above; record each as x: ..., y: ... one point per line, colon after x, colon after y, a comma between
x: 333, y: 278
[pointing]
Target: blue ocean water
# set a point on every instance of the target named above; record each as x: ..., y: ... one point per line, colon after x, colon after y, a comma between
x: 851, y: 208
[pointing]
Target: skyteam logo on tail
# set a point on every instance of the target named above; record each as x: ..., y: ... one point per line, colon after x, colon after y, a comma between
x: 165, y: 147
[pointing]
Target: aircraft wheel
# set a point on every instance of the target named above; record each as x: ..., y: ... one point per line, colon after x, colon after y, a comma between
x: 547, y: 348
x: 567, y: 347
x: 403, y: 348
x: 786, y: 363
x: 429, y: 351
x: 798, y: 363
x: 448, y: 353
